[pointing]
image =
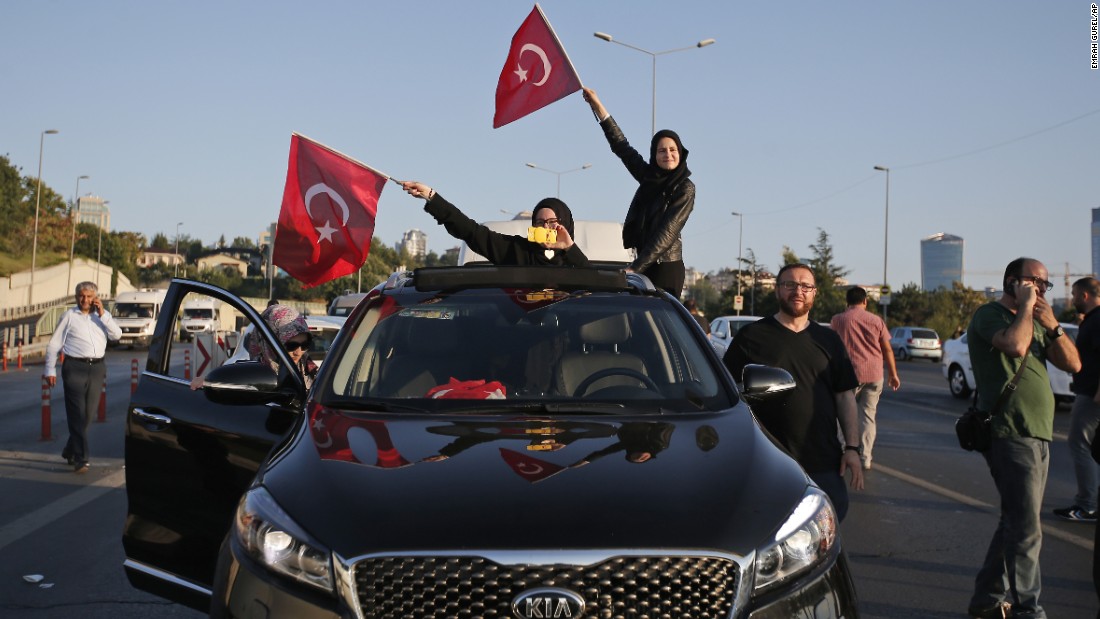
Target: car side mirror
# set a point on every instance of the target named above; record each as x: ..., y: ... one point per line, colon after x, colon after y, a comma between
x: 245, y: 382
x: 761, y: 381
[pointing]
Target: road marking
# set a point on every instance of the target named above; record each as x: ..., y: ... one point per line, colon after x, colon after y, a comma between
x: 1076, y: 540
x: 51, y: 512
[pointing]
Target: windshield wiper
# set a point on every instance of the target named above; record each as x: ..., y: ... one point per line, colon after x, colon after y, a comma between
x: 502, y: 406
x: 372, y: 406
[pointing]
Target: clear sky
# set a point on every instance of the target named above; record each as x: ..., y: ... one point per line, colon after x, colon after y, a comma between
x: 987, y: 113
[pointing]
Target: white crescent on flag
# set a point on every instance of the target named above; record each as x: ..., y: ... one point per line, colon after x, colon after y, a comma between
x: 326, y: 230
x: 546, y: 67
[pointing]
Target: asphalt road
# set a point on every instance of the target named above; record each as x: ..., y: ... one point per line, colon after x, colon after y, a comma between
x: 915, y: 536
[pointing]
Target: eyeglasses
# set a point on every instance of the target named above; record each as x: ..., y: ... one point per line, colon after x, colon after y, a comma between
x: 546, y: 222
x: 1039, y: 282
x: 293, y: 345
x: 792, y: 286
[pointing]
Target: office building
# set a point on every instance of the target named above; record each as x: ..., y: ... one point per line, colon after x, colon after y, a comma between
x: 941, y: 261
x: 415, y: 243
x: 93, y: 210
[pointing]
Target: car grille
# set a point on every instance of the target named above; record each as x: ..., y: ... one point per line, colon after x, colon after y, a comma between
x: 617, y: 588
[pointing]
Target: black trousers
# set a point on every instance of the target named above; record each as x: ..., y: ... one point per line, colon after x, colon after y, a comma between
x: 83, y: 383
x: 668, y: 276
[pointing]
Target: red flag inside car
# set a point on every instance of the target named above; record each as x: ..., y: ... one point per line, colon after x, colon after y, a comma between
x: 537, y: 72
x: 327, y: 218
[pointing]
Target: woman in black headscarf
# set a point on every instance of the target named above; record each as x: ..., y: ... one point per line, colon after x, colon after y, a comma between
x: 506, y: 249
x: 661, y: 205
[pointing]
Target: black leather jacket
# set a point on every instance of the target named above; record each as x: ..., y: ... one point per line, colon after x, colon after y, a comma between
x: 661, y: 219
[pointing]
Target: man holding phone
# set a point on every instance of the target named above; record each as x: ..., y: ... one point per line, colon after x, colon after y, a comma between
x: 1019, y: 328
x: 82, y: 335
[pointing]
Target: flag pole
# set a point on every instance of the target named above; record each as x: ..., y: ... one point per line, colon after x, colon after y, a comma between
x: 560, y: 46
x: 340, y: 154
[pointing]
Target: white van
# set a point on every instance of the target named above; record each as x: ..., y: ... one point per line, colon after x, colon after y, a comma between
x: 601, y: 241
x: 205, y: 315
x: 136, y: 313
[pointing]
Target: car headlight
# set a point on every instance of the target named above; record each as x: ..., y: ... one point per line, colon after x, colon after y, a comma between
x: 273, y: 539
x: 803, y: 541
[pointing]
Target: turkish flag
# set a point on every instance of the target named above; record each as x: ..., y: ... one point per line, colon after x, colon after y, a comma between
x: 532, y: 469
x: 537, y: 72
x: 327, y: 218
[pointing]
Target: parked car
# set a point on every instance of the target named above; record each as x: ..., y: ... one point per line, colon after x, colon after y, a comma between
x: 480, y: 442
x: 723, y: 328
x: 960, y: 375
x: 916, y: 343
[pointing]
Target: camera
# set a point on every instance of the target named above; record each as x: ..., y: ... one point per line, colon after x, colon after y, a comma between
x: 538, y: 234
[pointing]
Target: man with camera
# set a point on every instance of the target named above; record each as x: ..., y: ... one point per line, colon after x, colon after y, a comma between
x: 1019, y: 328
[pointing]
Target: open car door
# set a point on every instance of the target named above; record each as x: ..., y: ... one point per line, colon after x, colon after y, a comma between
x: 189, y: 458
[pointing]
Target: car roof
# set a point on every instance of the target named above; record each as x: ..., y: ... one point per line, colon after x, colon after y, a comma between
x: 429, y: 279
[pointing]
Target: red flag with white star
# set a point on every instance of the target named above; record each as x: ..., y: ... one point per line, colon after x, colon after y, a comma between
x: 327, y: 218
x: 537, y: 72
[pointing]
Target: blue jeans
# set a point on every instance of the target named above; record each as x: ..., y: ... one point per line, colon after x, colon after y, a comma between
x: 1082, y: 429
x: 1010, y: 571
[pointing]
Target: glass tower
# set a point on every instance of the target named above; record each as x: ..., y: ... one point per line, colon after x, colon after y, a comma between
x: 941, y: 261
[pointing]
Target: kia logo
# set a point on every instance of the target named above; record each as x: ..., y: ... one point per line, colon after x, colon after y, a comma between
x: 547, y: 603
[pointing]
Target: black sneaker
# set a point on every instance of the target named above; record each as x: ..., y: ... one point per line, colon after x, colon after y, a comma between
x: 1076, y: 514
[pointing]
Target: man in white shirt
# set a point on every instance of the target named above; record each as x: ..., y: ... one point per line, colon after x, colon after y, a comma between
x: 82, y: 335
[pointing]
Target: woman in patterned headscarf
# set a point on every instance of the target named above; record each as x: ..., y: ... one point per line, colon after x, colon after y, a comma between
x: 293, y: 333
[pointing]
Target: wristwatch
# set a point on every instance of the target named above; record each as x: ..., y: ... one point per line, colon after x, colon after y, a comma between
x: 1056, y: 333
x: 856, y: 448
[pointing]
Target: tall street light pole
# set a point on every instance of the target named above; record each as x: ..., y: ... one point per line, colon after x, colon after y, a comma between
x: 583, y: 167
x: 99, y: 245
x: 607, y: 37
x: 37, y: 204
x: 885, y: 233
x: 72, y: 215
x: 175, y: 258
x: 740, y: 229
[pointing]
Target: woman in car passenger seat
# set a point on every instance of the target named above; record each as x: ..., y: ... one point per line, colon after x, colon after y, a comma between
x: 660, y: 206
x: 507, y: 249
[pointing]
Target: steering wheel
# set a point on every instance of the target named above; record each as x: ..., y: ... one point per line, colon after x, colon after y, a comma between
x: 604, y: 373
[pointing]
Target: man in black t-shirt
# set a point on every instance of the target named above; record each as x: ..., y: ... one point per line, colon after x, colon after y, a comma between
x: 805, y: 422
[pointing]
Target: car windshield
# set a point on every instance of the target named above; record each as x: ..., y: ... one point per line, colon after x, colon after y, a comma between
x: 516, y: 347
x: 198, y: 313
x: 134, y: 310
x: 924, y: 334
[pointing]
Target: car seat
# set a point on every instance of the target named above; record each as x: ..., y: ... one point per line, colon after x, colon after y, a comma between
x: 600, y: 350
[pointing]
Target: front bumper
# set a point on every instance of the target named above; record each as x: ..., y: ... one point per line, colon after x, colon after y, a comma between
x: 251, y: 591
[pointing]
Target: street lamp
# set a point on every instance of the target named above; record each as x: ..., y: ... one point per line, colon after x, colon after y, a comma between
x: 175, y: 258
x: 607, y: 37
x: 583, y: 167
x: 740, y: 229
x: 37, y: 203
x: 99, y: 249
x: 886, y: 232
x: 72, y: 215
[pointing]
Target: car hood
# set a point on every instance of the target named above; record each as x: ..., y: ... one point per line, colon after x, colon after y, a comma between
x: 365, y: 483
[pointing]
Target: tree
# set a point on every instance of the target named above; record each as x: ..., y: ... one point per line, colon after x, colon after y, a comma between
x: 830, y: 299
x: 243, y: 242
x: 160, y: 242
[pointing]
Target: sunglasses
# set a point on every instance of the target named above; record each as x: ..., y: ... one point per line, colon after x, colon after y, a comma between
x: 292, y: 345
x: 546, y: 222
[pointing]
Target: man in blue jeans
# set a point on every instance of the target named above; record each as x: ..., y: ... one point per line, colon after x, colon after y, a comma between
x: 1086, y: 405
x: 1019, y: 328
